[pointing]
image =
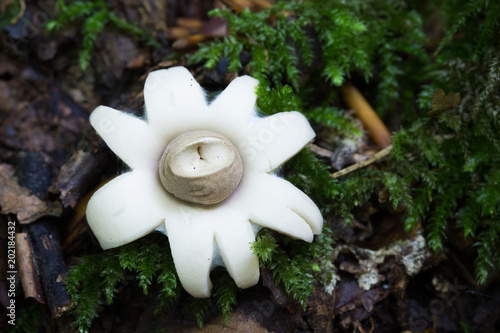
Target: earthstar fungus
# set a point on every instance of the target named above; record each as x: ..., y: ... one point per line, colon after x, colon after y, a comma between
x: 204, y: 174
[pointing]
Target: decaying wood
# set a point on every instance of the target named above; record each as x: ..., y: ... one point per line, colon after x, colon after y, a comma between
x: 27, y: 270
x: 38, y: 181
x: 79, y: 174
x: 44, y: 240
x: 50, y: 266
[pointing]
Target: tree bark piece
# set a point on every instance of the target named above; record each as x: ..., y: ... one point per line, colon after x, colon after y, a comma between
x: 80, y: 173
x: 51, y: 267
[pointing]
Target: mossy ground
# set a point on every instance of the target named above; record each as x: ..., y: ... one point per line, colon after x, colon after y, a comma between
x: 441, y: 179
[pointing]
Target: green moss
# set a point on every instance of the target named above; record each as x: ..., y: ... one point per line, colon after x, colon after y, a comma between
x: 225, y: 291
x: 288, y: 269
x: 97, y: 278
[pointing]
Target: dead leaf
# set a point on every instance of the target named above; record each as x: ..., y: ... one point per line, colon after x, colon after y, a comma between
x: 15, y: 199
x: 440, y: 101
x: 320, y: 307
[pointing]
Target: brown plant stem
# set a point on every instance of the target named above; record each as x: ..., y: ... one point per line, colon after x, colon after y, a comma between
x: 364, y: 112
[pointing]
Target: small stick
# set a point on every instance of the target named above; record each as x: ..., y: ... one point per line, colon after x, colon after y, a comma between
x: 27, y: 270
x: 375, y: 157
x: 369, y: 118
x: 320, y: 151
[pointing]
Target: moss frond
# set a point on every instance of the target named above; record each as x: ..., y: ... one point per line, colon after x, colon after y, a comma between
x: 487, y: 249
x: 295, y: 269
x: 200, y: 307
x: 460, y: 13
x: 170, y: 287
x: 225, y: 291
x: 99, y: 275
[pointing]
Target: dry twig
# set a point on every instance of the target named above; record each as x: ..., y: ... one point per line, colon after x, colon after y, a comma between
x: 27, y: 270
x: 375, y: 157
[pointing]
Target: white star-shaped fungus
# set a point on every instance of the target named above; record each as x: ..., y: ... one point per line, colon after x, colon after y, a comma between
x: 206, y: 227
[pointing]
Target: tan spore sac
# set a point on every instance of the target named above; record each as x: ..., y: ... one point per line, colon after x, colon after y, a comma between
x: 202, y: 167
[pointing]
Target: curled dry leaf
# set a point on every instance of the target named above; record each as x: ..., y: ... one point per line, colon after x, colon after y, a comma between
x: 15, y: 199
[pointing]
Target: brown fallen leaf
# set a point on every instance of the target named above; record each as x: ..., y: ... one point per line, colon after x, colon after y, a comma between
x: 440, y: 101
x: 320, y: 309
x: 15, y: 199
